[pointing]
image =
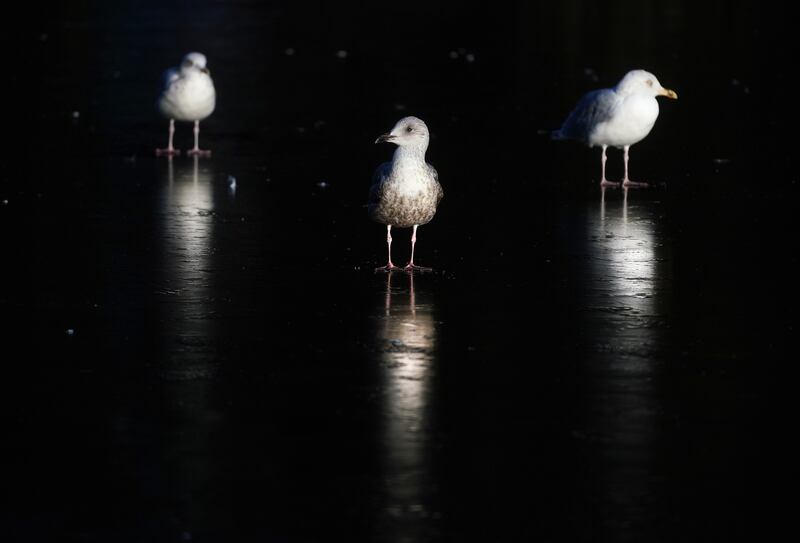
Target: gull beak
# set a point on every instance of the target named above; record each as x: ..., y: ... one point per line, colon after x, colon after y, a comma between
x: 384, y: 138
x: 205, y: 70
x: 669, y: 93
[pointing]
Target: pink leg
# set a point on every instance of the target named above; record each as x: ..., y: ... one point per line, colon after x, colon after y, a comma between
x: 411, y: 266
x: 388, y: 293
x: 196, y: 149
x: 603, y: 181
x: 170, y: 150
x: 389, y: 266
x: 627, y: 182
x: 411, y: 301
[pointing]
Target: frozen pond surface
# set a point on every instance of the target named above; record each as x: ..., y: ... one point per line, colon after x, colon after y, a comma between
x: 202, y: 362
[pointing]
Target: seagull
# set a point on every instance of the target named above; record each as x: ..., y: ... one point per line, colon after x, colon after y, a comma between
x: 405, y: 191
x: 618, y: 117
x: 188, y: 95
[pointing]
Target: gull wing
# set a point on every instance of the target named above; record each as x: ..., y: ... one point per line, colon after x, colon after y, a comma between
x: 439, y: 190
x: 376, y: 189
x: 169, y: 77
x: 594, y: 108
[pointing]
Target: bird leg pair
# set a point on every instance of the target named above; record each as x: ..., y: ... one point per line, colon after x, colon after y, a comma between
x: 625, y: 182
x: 195, y: 151
x: 408, y: 267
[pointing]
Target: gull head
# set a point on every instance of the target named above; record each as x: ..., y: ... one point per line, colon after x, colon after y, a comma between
x: 193, y: 63
x: 643, y: 82
x: 408, y: 132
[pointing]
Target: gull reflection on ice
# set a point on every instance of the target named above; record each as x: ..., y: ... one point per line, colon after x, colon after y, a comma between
x: 626, y: 260
x: 187, y: 270
x: 174, y: 418
x: 407, y: 333
x: 188, y: 225
x: 626, y: 322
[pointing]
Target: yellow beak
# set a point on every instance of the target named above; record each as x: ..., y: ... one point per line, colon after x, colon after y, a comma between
x: 669, y: 93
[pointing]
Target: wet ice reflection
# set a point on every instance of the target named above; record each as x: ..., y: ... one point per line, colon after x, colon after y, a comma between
x: 187, y: 236
x: 187, y: 359
x: 625, y: 261
x: 187, y: 210
x: 627, y: 323
x: 407, y: 332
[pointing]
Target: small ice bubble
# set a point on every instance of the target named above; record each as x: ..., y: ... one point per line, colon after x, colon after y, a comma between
x: 231, y: 181
x: 289, y: 51
x: 116, y: 74
x: 43, y: 36
x: 453, y: 55
x: 322, y: 184
x: 341, y: 53
x: 400, y: 107
x: 470, y: 57
x: 5, y: 201
x: 76, y: 114
x: 70, y: 332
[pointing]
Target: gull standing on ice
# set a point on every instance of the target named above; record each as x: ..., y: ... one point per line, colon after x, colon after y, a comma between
x: 618, y: 117
x: 405, y: 191
x: 188, y: 95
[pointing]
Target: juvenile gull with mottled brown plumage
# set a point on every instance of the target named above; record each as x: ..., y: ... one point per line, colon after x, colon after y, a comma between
x: 405, y: 191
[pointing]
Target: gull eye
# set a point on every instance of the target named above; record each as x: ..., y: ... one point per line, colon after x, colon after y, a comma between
x: 649, y: 82
x: 409, y: 129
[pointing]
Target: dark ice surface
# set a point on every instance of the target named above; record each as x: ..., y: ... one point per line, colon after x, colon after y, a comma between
x: 188, y: 361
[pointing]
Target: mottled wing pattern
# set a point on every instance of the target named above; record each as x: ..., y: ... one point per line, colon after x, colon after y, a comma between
x: 439, y: 190
x: 595, y: 107
x: 376, y: 189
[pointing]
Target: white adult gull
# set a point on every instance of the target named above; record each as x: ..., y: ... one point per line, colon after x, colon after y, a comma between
x: 617, y: 117
x: 188, y: 95
x: 406, y: 191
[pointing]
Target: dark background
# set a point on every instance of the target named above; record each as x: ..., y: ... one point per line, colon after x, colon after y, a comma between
x: 183, y: 362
